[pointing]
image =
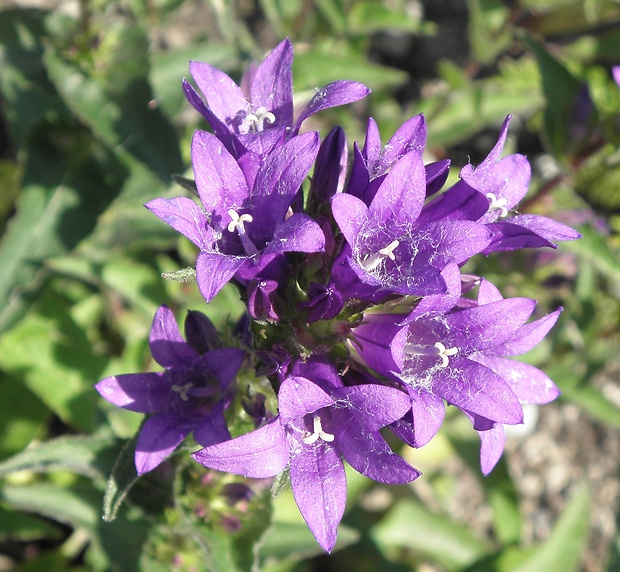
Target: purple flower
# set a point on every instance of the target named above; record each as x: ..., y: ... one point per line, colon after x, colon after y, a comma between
x: 389, y: 250
x: 242, y: 227
x: 316, y: 426
x: 489, y: 192
x: 373, y: 162
x: 259, y: 113
x: 189, y: 395
x: 460, y: 357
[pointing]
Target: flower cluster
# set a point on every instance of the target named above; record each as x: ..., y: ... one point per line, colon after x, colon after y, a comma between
x: 360, y: 316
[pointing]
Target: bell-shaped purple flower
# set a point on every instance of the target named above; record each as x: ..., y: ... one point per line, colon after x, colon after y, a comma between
x: 259, y: 113
x: 489, y: 192
x: 191, y: 393
x: 389, y: 251
x: 458, y: 357
x: 316, y: 427
x: 242, y: 227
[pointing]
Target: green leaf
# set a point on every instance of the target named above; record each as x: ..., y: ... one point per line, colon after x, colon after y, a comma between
x: 114, y: 101
x: 326, y: 62
x: 593, y: 248
x: 411, y: 526
x: 90, y: 456
x: 123, y: 477
x: 561, y: 552
x: 371, y: 17
x: 289, y: 542
x: 52, y: 355
x: 21, y: 415
x: 488, y: 33
x: 561, y: 91
x: 26, y: 90
x: 22, y: 527
x: 69, y: 180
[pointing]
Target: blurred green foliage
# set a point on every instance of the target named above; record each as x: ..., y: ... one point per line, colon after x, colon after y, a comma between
x: 93, y: 124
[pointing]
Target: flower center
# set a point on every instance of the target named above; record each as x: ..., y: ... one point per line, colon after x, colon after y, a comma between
x: 182, y: 390
x: 371, y: 261
x: 255, y: 122
x: 237, y: 223
x: 318, y: 433
x: 438, y: 350
x: 496, y: 204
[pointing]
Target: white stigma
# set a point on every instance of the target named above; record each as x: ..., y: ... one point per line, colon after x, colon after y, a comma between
x: 255, y: 122
x: 445, y: 353
x: 182, y: 390
x: 237, y: 224
x: 371, y: 262
x: 309, y: 438
x: 496, y: 204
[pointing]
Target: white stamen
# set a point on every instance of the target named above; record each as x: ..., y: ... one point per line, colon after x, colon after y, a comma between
x: 182, y: 390
x: 437, y: 350
x: 444, y: 353
x: 254, y: 122
x: 496, y: 204
x: 237, y: 224
x: 310, y: 438
x: 371, y: 262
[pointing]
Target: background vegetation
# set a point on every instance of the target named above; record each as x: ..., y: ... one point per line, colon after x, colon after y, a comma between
x: 93, y: 124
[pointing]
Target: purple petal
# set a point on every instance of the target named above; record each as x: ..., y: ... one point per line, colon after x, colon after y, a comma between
x: 260, y: 454
x: 527, y: 336
x: 223, y: 95
x: 488, y: 292
x: 374, y: 405
x: 410, y: 136
x: 319, y: 486
x: 140, y: 392
x: 359, y: 176
x: 452, y: 241
x: 547, y: 228
x: 350, y: 213
x: 372, y: 144
x: 272, y: 84
x: 220, y: 129
x: 482, y: 327
x: 200, y: 332
x: 367, y: 452
x: 299, y: 396
x: 212, y: 429
x: 491, y: 447
x: 379, y: 340
x: 168, y: 347
x: 224, y: 364
x: 459, y: 202
x: 476, y: 388
x: 159, y: 436
x: 298, y: 233
x: 401, y: 195
x: 186, y: 217
x: 330, y: 170
x: 428, y: 412
x: 214, y: 270
x: 319, y: 369
x: 528, y: 383
x: 220, y: 182
x: 436, y: 176
x: 437, y: 304
x: 280, y: 177
x: 337, y: 93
